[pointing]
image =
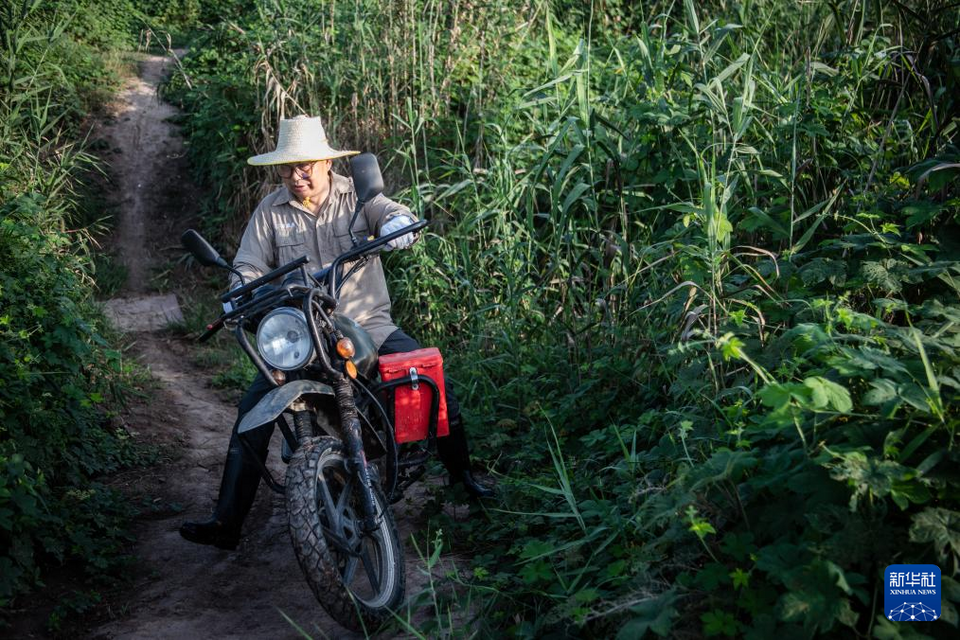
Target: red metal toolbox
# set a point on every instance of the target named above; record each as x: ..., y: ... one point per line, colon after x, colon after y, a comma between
x: 412, y: 406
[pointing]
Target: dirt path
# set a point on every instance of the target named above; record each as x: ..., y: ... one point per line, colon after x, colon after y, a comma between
x: 182, y: 590
x: 185, y: 590
x: 146, y: 143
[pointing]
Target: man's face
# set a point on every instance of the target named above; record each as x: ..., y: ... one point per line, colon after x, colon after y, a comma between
x: 307, y: 179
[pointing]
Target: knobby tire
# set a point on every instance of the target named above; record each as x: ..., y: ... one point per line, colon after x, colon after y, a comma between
x: 320, y: 561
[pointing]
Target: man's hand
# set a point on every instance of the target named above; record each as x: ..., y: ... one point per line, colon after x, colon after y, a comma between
x: 395, y: 224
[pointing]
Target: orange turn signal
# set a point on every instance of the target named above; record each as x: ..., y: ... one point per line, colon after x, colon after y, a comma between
x: 279, y: 376
x: 345, y: 348
x: 351, y: 368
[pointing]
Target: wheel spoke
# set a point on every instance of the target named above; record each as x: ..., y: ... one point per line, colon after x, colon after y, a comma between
x: 349, y: 570
x: 333, y: 516
x: 345, y: 494
x: 370, y: 569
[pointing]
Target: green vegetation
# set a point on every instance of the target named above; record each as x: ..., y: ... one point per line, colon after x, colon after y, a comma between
x: 59, y: 376
x: 694, y: 266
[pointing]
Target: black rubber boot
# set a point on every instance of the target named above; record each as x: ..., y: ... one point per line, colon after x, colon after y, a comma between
x: 210, y: 531
x: 455, y: 456
x: 474, y: 488
x: 238, y: 488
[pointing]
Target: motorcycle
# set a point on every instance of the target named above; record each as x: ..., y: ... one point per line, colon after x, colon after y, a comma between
x: 345, y: 466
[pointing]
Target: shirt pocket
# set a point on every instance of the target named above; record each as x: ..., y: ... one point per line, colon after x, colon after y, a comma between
x: 290, y: 243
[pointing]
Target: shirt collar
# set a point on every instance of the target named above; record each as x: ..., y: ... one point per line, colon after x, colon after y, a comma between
x: 340, y: 184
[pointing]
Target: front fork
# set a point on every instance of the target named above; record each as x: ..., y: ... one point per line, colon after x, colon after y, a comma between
x: 353, y: 442
x: 356, y: 458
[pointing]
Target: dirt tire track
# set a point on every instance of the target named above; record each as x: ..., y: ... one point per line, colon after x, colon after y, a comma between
x: 146, y: 142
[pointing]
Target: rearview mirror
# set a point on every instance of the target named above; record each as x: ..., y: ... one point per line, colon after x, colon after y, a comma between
x: 367, y: 179
x: 201, y: 250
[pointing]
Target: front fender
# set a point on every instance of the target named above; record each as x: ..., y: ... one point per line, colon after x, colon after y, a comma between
x: 275, y: 402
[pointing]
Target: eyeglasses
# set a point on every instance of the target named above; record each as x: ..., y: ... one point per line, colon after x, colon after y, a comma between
x: 303, y: 168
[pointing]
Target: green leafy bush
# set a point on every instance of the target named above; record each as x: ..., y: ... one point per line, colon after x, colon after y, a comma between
x: 59, y: 377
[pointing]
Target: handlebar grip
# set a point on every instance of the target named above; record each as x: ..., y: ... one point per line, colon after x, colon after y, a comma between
x: 212, y: 329
x: 359, y: 250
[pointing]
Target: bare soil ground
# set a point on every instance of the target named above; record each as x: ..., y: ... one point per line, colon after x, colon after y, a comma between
x: 178, y: 589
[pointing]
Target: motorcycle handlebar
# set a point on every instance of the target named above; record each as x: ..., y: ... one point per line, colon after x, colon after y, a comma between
x: 264, y: 279
x: 360, y: 251
x: 348, y: 256
x: 368, y: 247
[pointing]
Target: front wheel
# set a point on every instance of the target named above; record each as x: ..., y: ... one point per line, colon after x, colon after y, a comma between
x: 357, y: 578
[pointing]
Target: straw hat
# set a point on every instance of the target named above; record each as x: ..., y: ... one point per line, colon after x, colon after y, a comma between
x: 301, y: 139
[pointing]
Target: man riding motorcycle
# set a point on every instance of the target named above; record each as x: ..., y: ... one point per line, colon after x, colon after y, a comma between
x: 310, y: 215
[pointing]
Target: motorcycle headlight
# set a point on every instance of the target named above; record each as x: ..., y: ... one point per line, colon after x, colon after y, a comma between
x: 283, y: 339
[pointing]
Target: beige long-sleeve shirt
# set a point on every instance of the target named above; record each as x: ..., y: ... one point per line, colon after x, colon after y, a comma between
x: 281, y: 229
